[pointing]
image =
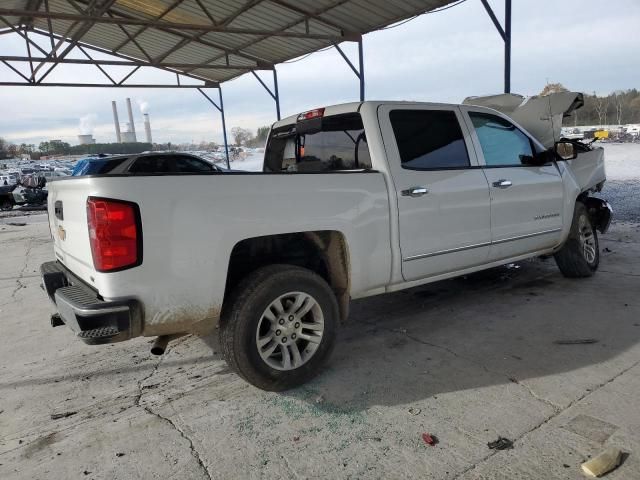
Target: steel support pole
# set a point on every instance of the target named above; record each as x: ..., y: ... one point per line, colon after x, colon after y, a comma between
x: 276, y: 93
x: 507, y: 46
x: 224, y: 129
x: 361, y: 69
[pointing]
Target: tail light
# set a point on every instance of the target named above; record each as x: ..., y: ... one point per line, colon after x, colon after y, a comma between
x: 311, y: 114
x: 115, y: 234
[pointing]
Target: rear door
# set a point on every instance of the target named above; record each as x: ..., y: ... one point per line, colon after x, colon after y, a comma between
x: 526, y: 201
x: 442, y: 194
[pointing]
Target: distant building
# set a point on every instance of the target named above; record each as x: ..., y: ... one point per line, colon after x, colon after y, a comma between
x: 128, y: 137
x: 86, y: 139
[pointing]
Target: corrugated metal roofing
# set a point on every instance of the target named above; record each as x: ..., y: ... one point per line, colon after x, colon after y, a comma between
x: 239, y: 33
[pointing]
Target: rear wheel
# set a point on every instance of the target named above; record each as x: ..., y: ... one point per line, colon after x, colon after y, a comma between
x: 5, y: 205
x: 580, y: 255
x: 279, y: 326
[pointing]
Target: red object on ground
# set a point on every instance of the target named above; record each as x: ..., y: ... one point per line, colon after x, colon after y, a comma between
x: 429, y: 439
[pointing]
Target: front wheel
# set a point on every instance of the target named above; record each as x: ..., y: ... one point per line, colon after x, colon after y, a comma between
x: 279, y: 326
x: 580, y: 255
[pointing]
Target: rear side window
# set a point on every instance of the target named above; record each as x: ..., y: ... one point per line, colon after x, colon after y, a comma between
x: 429, y: 139
x: 501, y: 141
x: 340, y: 145
x: 159, y: 164
x: 192, y: 165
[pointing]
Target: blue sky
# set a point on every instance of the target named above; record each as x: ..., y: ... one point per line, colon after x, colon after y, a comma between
x: 442, y: 57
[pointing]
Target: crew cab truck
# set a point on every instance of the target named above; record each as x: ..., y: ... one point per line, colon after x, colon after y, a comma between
x: 354, y: 200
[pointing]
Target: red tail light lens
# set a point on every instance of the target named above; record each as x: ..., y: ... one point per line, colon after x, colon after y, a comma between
x: 115, y: 234
x: 311, y: 114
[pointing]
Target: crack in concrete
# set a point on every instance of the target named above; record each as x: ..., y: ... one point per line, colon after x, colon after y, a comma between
x: 551, y: 417
x: 24, y: 267
x: 556, y: 408
x: 137, y: 403
x: 192, y: 448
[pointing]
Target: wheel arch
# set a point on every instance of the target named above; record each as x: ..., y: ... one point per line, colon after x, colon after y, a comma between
x: 324, y: 252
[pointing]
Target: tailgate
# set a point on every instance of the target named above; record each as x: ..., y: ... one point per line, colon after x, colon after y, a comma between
x: 67, y: 204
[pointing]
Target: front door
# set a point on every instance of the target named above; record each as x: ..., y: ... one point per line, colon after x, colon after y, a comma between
x: 442, y: 194
x: 526, y: 201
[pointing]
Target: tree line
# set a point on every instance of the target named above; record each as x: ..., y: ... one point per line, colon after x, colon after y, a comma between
x: 58, y: 147
x: 620, y: 107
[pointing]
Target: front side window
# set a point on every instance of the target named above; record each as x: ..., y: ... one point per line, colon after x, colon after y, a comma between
x: 501, y: 141
x: 429, y: 139
x: 341, y: 144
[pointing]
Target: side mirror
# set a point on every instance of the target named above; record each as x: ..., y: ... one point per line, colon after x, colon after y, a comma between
x: 566, y: 150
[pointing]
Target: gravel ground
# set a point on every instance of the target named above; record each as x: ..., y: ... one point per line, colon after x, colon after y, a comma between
x: 622, y: 189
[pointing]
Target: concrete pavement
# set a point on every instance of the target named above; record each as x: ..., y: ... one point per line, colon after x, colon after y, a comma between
x: 467, y: 360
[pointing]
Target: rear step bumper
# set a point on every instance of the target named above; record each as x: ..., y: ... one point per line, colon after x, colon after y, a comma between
x: 93, y: 320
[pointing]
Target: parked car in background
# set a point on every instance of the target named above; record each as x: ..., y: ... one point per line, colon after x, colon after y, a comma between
x: 354, y: 200
x: 144, y: 163
x: 6, y: 197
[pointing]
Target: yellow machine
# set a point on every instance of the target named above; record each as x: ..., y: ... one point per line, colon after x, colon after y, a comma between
x: 601, y: 134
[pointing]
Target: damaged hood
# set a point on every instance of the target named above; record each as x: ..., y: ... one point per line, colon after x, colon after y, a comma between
x: 541, y: 116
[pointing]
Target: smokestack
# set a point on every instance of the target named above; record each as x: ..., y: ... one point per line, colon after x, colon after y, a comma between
x: 116, y: 121
x: 132, y: 126
x: 147, y: 127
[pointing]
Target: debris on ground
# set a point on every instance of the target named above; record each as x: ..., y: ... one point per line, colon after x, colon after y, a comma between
x: 119, y: 454
x: 414, y: 411
x: 57, y: 416
x: 501, y: 443
x: 607, y: 250
x: 429, y: 439
x: 578, y: 341
x: 319, y: 399
x: 603, y: 463
x: 16, y: 224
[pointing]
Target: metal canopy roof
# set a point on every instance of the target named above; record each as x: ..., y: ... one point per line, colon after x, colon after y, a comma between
x: 209, y: 40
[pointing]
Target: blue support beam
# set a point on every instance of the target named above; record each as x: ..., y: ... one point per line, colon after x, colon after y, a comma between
x: 273, y: 93
x: 220, y: 108
x: 505, y: 33
x: 359, y: 72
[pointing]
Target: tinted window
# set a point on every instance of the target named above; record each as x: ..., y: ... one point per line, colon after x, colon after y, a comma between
x: 192, y: 165
x: 502, y: 143
x: 340, y: 145
x: 159, y: 164
x: 429, y: 139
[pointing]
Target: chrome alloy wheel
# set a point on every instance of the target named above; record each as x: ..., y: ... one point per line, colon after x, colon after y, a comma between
x: 290, y: 331
x: 587, y: 239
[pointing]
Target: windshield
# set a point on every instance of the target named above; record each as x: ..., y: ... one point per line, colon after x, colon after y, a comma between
x: 341, y: 144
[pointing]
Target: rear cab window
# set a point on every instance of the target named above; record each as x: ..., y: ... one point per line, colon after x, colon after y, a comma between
x: 339, y: 145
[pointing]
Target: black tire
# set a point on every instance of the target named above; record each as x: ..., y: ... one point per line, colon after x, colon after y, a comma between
x: 6, y: 205
x: 243, y: 311
x: 572, y: 259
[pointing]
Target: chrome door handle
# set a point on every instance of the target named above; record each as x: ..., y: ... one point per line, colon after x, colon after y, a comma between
x: 502, y: 183
x: 415, y: 192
